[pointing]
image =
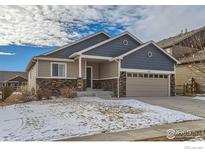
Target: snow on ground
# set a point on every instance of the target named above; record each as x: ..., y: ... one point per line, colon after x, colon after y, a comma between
x: 199, y: 98
x: 63, y: 118
x: 197, y: 138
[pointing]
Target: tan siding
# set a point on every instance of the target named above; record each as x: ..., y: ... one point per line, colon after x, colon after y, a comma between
x: 184, y: 73
x: 95, y: 69
x: 44, y: 68
x: 32, y: 74
x: 108, y: 70
x: 72, y: 69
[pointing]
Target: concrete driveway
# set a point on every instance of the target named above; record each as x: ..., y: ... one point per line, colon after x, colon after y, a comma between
x: 179, y: 103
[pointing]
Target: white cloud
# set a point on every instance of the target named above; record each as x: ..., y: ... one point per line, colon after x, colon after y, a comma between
x: 59, y: 25
x: 7, y: 54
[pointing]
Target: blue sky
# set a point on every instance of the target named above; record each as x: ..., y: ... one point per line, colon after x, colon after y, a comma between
x: 26, y: 31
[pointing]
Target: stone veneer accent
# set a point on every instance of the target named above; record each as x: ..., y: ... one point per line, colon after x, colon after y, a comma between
x: 122, y: 84
x: 109, y: 85
x: 172, y: 85
x: 80, y: 84
x: 54, y: 85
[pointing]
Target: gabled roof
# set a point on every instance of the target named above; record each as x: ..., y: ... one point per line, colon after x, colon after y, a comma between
x: 104, y: 42
x: 144, y: 45
x: 165, y: 43
x: 8, y: 75
x: 195, y: 57
x: 67, y: 50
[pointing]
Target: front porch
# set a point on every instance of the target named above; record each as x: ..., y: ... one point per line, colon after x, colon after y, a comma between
x: 95, y: 73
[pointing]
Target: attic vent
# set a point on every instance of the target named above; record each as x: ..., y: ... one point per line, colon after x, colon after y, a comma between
x: 125, y: 42
x: 149, y: 54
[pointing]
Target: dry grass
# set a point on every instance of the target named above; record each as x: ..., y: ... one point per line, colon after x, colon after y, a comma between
x: 21, y: 95
x: 16, y: 98
x: 116, y: 112
x: 68, y: 92
x: 46, y: 94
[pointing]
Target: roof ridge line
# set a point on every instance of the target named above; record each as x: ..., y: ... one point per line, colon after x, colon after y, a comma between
x: 77, y: 41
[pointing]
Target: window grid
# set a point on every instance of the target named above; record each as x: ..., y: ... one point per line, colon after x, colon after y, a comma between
x: 141, y: 75
x: 58, y: 70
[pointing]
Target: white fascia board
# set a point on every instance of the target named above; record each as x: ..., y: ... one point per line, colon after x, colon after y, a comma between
x: 30, y: 64
x: 103, y: 42
x: 96, y: 57
x: 54, y: 59
x: 146, y: 71
x: 76, y: 42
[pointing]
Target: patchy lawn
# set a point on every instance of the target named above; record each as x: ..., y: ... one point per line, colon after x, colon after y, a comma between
x: 60, y: 118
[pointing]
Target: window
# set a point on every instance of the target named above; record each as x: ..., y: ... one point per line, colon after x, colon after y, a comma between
x: 129, y: 74
x: 141, y: 75
x: 160, y: 76
x: 150, y: 75
x: 145, y: 75
x: 156, y: 76
x: 58, y: 70
x: 135, y: 75
x: 165, y: 76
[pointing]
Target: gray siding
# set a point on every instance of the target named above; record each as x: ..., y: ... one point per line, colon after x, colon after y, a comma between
x: 115, y: 47
x: 140, y: 60
x: 66, y: 52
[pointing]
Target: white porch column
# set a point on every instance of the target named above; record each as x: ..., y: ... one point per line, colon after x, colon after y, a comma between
x: 80, y: 67
x: 118, y: 79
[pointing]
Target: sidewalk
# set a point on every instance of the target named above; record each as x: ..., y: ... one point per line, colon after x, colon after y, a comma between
x: 151, y: 133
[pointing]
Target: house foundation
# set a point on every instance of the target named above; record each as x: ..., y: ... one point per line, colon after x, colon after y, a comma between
x: 54, y: 85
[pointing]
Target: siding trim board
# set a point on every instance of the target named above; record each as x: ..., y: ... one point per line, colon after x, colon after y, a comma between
x: 96, y: 57
x: 54, y: 59
x: 146, y: 71
x: 107, y: 78
x: 44, y: 77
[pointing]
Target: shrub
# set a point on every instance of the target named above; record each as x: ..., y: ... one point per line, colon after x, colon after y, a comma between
x: 68, y: 92
x: 6, y: 92
x: 22, y: 94
x: 43, y: 94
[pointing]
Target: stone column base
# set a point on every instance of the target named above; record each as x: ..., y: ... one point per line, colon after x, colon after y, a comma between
x: 172, y: 85
x: 80, y: 84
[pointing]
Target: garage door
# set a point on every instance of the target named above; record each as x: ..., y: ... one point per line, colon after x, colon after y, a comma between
x: 146, y: 84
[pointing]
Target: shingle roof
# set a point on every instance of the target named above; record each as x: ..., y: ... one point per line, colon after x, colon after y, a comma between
x: 198, y: 56
x: 178, y: 38
x: 6, y: 75
x: 67, y: 50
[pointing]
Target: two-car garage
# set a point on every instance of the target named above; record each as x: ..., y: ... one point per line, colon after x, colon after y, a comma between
x: 143, y: 84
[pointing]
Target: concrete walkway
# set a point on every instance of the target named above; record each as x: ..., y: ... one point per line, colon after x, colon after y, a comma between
x: 143, y: 134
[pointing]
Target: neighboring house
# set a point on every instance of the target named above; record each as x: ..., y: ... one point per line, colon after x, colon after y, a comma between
x: 122, y: 64
x: 12, y: 79
x: 188, y: 48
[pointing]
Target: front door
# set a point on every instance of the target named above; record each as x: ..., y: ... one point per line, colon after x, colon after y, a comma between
x: 89, y: 77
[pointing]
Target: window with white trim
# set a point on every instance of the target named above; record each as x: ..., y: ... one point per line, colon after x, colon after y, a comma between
x: 58, y: 69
